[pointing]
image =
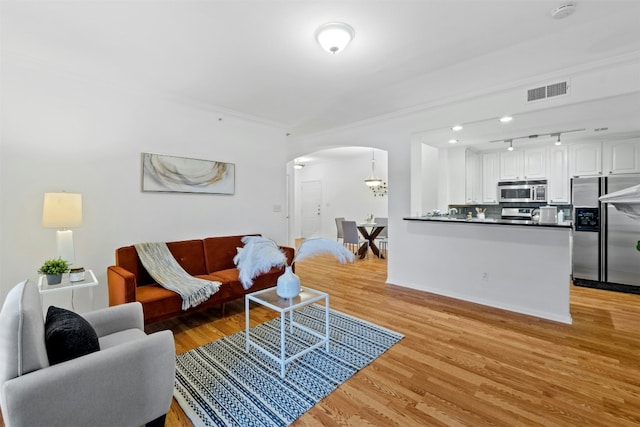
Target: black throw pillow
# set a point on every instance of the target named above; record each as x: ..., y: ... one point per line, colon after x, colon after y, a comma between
x: 68, y: 335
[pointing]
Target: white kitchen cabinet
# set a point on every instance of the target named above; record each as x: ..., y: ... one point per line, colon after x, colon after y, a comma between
x: 622, y: 157
x: 490, y: 177
x: 523, y: 164
x: 473, y: 180
x: 558, y: 177
x: 535, y: 163
x: 585, y: 159
x: 463, y: 176
x: 511, y: 165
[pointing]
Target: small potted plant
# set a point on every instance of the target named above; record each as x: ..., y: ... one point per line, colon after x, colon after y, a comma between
x: 54, y: 269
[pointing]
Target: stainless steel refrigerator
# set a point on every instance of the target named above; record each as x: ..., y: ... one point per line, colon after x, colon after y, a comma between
x: 605, y: 241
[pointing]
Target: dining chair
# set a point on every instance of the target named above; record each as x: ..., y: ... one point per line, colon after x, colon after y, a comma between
x: 340, y: 233
x: 351, y: 236
x: 382, y: 237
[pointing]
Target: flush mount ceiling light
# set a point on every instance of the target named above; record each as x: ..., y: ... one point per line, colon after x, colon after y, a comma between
x: 563, y: 11
x: 298, y: 165
x: 506, y: 119
x: 334, y: 36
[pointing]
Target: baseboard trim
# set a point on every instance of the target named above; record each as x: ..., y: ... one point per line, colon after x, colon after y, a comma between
x: 607, y: 286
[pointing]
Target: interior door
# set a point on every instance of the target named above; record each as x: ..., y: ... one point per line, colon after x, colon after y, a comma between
x: 311, y: 209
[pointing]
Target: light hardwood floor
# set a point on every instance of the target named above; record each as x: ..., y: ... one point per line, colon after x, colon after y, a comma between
x: 462, y: 364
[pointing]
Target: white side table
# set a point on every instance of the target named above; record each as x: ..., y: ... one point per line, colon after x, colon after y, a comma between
x: 89, y: 282
x: 269, y: 298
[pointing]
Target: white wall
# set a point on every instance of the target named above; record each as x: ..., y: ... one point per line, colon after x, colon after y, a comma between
x: 60, y: 132
x: 344, y: 193
x: 425, y: 177
x: 430, y: 168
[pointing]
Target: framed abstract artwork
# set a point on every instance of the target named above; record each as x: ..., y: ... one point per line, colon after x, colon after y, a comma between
x: 184, y: 175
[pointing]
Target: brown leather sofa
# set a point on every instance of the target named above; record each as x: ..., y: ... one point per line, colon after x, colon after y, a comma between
x: 210, y: 258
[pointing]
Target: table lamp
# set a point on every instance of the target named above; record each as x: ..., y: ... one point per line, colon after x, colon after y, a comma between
x: 63, y: 211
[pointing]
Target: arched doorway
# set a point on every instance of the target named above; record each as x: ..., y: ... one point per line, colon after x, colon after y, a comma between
x: 329, y: 184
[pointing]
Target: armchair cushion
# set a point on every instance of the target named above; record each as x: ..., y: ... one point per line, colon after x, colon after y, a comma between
x: 22, y: 346
x: 68, y: 335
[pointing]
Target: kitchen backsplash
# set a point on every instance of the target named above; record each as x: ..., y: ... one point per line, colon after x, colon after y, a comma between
x: 495, y: 211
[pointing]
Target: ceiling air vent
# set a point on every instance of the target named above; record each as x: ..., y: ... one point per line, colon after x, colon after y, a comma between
x: 537, y: 93
x: 548, y: 91
x: 557, y: 89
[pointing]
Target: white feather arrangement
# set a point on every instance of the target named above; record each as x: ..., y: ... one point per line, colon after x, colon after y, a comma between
x: 257, y: 256
x: 260, y: 254
x: 313, y: 247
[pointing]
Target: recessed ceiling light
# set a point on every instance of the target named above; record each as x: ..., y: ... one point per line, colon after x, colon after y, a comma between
x: 453, y: 141
x: 506, y: 119
x: 456, y: 128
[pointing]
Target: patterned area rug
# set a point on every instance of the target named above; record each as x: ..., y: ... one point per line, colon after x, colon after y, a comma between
x: 219, y: 384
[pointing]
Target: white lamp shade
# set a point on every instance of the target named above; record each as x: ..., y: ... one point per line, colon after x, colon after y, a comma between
x: 334, y: 36
x: 62, y: 210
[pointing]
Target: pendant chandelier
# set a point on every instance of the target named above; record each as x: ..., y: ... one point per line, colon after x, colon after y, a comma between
x: 376, y: 184
x: 372, y: 180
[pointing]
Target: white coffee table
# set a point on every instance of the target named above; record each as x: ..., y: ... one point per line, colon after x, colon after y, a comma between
x: 269, y: 298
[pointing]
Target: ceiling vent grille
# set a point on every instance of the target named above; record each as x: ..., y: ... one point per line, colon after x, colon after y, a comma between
x: 557, y: 89
x: 548, y: 91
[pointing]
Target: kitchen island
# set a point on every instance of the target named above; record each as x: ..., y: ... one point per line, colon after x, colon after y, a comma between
x: 515, y: 265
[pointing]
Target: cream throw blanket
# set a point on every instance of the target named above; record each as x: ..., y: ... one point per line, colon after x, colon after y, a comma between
x: 164, y: 268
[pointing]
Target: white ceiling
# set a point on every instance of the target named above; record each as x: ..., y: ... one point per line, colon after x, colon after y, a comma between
x: 259, y: 58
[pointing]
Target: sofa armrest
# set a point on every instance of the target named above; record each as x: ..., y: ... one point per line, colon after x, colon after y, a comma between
x: 125, y: 385
x: 118, y: 318
x: 122, y: 285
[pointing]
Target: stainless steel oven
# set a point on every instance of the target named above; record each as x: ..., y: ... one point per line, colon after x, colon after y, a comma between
x: 523, y: 191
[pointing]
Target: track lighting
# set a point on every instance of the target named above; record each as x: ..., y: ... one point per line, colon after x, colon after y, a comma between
x: 510, y: 148
x: 532, y: 137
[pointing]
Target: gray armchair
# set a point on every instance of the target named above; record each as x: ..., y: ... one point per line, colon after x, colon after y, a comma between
x: 128, y: 382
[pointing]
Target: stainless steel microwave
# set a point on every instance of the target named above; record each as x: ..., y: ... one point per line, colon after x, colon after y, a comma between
x: 522, y: 191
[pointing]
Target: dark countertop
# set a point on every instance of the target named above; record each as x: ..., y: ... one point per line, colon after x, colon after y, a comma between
x: 488, y: 221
